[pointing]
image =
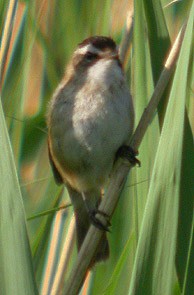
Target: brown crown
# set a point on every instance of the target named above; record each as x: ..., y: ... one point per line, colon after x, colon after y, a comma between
x: 100, y: 42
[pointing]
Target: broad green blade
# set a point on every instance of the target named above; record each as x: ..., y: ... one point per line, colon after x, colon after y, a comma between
x: 17, y: 276
x: 114, y: 285
x: 154, y: 267
x: 143, y: 88
x: 185, y: 237
x: 158, y: 37
x: 159, y: 44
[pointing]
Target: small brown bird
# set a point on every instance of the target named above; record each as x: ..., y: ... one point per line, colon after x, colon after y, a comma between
x: 90, y: 119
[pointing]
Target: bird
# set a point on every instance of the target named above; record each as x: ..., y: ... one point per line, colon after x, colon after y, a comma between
x: 90, y: 119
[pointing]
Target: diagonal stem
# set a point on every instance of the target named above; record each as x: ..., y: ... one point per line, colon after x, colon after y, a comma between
x: 119, y: 175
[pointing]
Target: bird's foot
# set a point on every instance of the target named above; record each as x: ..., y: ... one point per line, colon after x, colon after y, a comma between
x: 97, y: 221
x: 127, y: 152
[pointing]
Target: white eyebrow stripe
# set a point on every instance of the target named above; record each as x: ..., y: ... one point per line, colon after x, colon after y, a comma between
x: 88, y: 48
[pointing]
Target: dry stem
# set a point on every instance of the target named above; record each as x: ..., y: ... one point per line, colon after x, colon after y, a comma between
x: 119, y: 175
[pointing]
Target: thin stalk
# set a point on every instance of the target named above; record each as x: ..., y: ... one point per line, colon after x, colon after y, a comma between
x: 119, y: 175
x: 7, y: 32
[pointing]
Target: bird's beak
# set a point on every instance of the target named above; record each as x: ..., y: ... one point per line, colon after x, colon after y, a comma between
x: 112, y: 55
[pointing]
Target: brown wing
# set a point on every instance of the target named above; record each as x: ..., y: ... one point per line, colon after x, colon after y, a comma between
x: 56, y: 173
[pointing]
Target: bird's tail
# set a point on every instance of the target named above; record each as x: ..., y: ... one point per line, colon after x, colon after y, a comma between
x: 83, y: 223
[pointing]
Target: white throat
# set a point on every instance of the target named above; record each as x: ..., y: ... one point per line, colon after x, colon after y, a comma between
x: 105, y: 71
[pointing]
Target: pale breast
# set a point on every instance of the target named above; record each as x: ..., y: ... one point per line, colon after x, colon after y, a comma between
x: 87, y: 130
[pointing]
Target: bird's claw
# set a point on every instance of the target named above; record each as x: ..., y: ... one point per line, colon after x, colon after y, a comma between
x: 97, y: 221
x: 128, y: 153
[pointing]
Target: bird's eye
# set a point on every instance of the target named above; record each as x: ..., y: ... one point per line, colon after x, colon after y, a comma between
x: 89, y: 56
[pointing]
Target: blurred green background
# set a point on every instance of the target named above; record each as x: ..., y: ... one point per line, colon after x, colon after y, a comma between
x: 151, y: 240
